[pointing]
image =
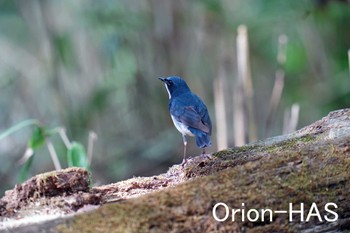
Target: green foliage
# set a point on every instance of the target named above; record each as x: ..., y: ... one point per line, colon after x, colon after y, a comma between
x: 24, y: 171
x: 296, y: 60
x: 76, y: 156
x: 64, y: 50
x: 212, y: 5
x: 17, y: 127
x: 37, y: 139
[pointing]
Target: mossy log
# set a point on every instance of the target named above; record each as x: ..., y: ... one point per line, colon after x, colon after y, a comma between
x: 310, y: 166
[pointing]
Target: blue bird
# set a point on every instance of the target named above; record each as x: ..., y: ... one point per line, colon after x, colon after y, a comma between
x: 188, y: 112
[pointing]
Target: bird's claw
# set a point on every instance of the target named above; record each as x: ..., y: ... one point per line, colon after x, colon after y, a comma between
x: 184, y: 161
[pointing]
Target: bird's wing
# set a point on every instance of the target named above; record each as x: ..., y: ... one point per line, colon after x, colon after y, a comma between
x: 189, y: 116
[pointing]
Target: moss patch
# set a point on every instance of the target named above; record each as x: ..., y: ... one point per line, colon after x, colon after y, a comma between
x: 306, y: 175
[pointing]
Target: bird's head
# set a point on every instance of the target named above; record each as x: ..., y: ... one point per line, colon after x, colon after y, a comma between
x: 175, y: 85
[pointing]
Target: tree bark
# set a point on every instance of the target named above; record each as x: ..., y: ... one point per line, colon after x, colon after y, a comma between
x: 310, y: 166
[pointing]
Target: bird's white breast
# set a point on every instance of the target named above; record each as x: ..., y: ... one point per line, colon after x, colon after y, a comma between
x: 183, y: 129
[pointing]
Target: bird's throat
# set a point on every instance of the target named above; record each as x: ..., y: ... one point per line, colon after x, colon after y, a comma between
x: 167, y: 89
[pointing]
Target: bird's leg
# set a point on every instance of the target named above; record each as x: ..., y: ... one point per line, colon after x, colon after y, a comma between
x: 207, y: 156
x: 184, y: 160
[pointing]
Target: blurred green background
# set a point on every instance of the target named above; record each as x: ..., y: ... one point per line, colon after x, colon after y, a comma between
x: 93, y: 66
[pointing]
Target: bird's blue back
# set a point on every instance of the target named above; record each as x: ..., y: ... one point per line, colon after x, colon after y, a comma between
x: 190, y: 110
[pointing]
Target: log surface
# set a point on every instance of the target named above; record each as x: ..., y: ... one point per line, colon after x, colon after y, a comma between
x: 309, y: 166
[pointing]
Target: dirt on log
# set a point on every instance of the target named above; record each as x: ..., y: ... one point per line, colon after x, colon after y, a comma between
x: 310, y: 166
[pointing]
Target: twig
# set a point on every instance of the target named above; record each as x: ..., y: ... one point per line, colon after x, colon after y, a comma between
x: 275, y: 99
x: 294, y: 118
x: 53, y: 154
x: 91, y: 140
x: 282, y: 49
x: 220, y: 114
x: 245, y: 82
x: 64, y: 137
x: 238, y: 95
x: 349, y: 58
x: 27, y: 154
x: 238, y: 118
x: 219, y: 100
x: 279, y: 82
x: 286, y: 121
x: 291, y: 120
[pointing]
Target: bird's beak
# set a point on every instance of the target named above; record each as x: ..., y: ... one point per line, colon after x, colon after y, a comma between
x: 162, y: 79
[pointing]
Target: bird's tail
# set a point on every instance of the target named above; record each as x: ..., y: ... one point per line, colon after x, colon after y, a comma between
x: 202, y: 138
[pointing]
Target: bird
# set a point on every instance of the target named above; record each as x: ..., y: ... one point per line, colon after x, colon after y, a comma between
x: 188, y: 113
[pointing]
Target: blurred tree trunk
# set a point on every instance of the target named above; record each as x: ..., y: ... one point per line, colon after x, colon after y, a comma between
x: 308, y: 166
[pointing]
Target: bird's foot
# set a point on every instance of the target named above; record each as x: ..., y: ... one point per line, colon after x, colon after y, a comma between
x: 205, y: 155
x: 184, y: 161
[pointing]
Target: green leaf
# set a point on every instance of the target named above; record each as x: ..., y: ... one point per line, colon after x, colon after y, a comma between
x: 51, y: 132
x: 17, y: 127
x: 24, y: 171
x: 76, y: 156
x: 38, y: 138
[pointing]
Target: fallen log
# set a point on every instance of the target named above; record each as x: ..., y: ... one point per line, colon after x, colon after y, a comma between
x: 292, y: 183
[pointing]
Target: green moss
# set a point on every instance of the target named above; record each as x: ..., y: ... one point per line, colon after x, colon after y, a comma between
x: 309, y: 174
x: 256, y: 148
x: 235, y: 150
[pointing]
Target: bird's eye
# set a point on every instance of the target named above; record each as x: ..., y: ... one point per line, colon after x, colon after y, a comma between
x: 170, y: 83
